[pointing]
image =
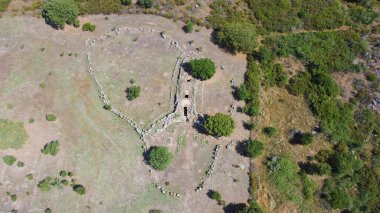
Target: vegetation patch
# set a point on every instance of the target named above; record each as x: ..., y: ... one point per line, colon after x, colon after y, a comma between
x: 202, y: 69
x: 51, y: 117
x: 9, y: 160
x: 4, y: 5
x: 88, y: 27
x: 12, y: 134
x: 133, y: 92
x: 57, y: 13
x: 51, y: 148
x: 220, y: 125
x: 98, y: 6
x: 159, y: 157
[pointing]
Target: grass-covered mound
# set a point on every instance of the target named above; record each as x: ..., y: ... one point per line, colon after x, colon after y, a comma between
x: 12, y: 134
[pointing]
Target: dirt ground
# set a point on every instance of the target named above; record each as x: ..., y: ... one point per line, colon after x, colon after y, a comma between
x: 103, y: 151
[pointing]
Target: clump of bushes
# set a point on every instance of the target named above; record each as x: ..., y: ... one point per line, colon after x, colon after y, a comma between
x: 80, y: 189
x: 88, y: 27
x: 126, y: 2
x: 270, y: 131
x: 20, y: 164
x: 29, y: 176
x: 51, y: 117
x: 202, y: 69
x: 99, y: 6
x: 51, y: 148
x: 107, y: 107
x: 145, y: 3
x: 48, y: 183
x: 4, y: 5
x: 57, y: 13
x: 159, y: 157
x: 237, y: 37
x: 252, y: 148
x: 274, y: 75
x: 302, y: 138
x: 133, y: 92
x: 188, y: 28
x: 215, y: 195
x: 9, y: 160
x: 219, y: 125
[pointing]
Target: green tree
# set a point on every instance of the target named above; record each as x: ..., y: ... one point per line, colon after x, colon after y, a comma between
x: 9, y: 160
x: 339, y: 199
x: 220, y: 125
x: 215, y: 195
x: 202, y: 69
x: 51, y: 148
x: 145, y: 3
x: 133, y: 92
x: 51, y: 117
x: 89, y: 27
x: 57, y: 13
x: 188, y: 28
x: 79, y: 189
x: 159, y: 157
x: 237, y: 37
x: 126, y: 2
x: 252, y: 148
x: 270, y: 131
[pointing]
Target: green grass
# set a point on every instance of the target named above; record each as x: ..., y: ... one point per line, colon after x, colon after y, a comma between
x: 12, y: 134
x: 4, y: 5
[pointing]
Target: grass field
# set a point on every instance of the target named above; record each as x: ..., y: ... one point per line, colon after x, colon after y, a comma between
x: 12, y: 134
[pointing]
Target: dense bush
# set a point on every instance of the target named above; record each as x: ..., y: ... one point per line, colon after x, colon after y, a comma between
x: 99, y: 6
x: 225, y: 11
x: 51, y: 148
x: 79, y: 189
x: 220, y: 125
x: 264, y: 55
x: 126, y: 2
x: 252, y: 148
x: 133, y: 92
x: 330, y: 51
x: 289, y: 15
x: 145, y: 3
x: 188, y: 28
x: 339, y: 199
x: 362, y: 15
x: 159, y: 157
x: 302, y: 138
x: 215, y: 195
x: 202, y: 69
x: 270, y: 131
x: 51, y: 117
x: 57, y: 13
x: 274, y: 74
x: 309, y: 186
x: 89, y: 27
x: 237, y: 37
x: 9, y: 160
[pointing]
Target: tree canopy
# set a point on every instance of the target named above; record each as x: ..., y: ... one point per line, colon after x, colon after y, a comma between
x: 57, y: 13
x: 220, y: 125
x: 202, y: 69
x: 159, y: 157
x: 237, y: 37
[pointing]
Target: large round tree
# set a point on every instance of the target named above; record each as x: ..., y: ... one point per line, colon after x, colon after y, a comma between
x: 203, y: 68
x: 220, y: 125
x: 253, y: 148
x: 57, y: 13
x: 159, y: 157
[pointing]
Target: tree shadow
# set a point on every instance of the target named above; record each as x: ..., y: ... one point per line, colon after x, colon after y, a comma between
x: 186, y: 67
x: 198, y: 125
x: 235, y: 92
x: 308, y: 167
x: 234, y: 207
x: 240, y: 148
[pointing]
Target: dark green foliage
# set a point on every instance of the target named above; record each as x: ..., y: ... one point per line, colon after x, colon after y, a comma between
x: 89, y: 27
x: 274, y: 74
x: 188, y: 28
x: 57, y: 13
x: 51, y: 117
x: 215, y: 195
x: 264, y: 55
x: 48, y: 183
x: 324, y: 169
x: 126, y: 2
x: 79, y: 189
x: 252, y: 208
x: 133, y: 92
x: 107, y: 107
x: 224, y: 11
x: 48, y: 210
x: 252, y: 148
x: 65, y: 182
x: 237, y: 37
x: 13, y: 197
x: 202, y: 69
x: 371, y: 77
x: 362, y: 15
x: 20, y: 164
x: 339, y: 199
x: 287, y: 15
x: 220, y: 125
x: 9, y: 160
x: 344, y: 163
x: 4, y: 5
x: 159, y: 157
x: 302, y: 138
x: 330, y: 51
x: 309, y: 186
x: 51, y: 148
x: 145, y: 3
x: 270, y: 131
x: 29, y: 176
x: 98, y: 6
x: 63, y: 173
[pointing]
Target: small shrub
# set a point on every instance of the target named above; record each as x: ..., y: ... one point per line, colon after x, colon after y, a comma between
x: 252, y: 148
x: 45, y: 184
x: 51, y: 117
x: 48, y: 210
x: 79, y: 189
x: 202, y: 69
x: 126, y: 2
x: 63, y: 173
x: 188, y: 28
x: 133, y: 92
x: 302, y: 138
x: 270, y: 131
x: 29, y: 176
x: 9, y: 160
x: 220, y: 125
x: 70, y: 174
x: 20, y: 164
x: 13, y: 197
x: 159, y: 157
x: 65, y: 182
x: 107, y: 107
x: 31, y: 120
x: 339, y: 199
x: 371, y: 77
x: 89, y: 27
x: 215, y: 195
x: 145, y: 3
x: 51, y: 148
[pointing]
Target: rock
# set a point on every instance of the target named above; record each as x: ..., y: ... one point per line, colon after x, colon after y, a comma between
x: 229, y: 146
x: 241, y: 166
